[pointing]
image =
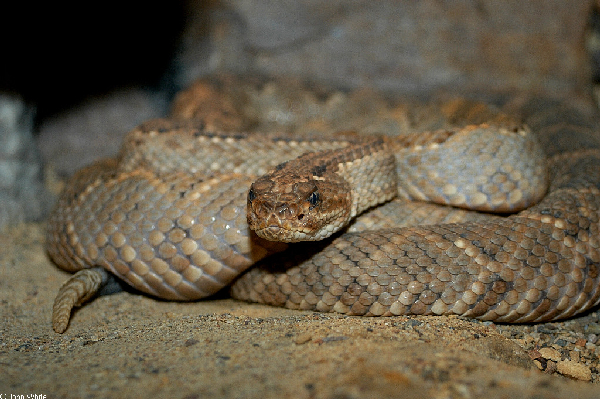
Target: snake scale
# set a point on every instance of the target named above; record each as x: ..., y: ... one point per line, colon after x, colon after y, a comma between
x: 169, y: 215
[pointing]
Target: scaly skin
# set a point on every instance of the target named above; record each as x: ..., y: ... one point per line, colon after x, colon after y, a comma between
x: 541, y: 264
x: 168, y: 216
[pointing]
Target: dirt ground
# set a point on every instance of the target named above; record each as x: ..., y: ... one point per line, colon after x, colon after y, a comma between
x: 131, y: 345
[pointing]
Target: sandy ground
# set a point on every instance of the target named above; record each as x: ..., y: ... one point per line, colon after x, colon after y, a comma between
x: 130, y: 345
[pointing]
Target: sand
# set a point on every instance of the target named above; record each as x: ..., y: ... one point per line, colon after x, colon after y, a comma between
x: 130, y: 345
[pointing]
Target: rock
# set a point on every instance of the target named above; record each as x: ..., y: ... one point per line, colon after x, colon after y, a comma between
x: 22, y: 192
x: 574, y: 370
x: 550, y: 353
x: 408, y: 47
x: 95, y: 129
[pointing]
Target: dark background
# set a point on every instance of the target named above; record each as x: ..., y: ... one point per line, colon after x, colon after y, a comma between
x: 55, y: 55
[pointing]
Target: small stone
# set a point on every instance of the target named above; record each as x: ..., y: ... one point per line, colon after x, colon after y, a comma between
x: 574, y: 356
x: 573, y: 369
x: 551, y: 367
x: 580, y: 342
x: 550, y: 353
x: 593, y: 328
x: 303, y: 338
x: 190, y: 342
x: 591, y: 347
x: 534, y: 354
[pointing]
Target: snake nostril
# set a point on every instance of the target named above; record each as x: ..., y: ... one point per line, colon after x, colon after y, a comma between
x: 301, y: 216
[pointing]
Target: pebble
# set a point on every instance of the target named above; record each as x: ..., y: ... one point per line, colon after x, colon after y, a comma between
x: 550, y: 353
x: 574, y: 356
x: 303, y: 338
x: 573, y: 369
x: 593, y: 328
x: 590, y: 346
x: 551, y: 367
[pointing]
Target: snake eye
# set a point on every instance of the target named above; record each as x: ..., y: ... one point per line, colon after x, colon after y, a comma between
x: 313, y: 199
x: 251, y: 195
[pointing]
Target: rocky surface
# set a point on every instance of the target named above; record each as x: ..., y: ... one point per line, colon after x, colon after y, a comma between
x: 22, y: 193
x: 404, y: 47
x: 95, y: 129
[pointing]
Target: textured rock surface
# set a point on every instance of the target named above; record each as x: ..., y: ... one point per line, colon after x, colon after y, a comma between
x: 22, y: 193
x: 95, y: 129
x: 411, y: 47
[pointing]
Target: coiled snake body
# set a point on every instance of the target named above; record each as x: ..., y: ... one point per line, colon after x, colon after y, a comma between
x: 168, y: 216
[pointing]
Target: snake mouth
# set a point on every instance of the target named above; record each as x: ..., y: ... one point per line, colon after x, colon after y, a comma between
x: 273, y: 229
x: 271, y: 232
x: 281, y: 234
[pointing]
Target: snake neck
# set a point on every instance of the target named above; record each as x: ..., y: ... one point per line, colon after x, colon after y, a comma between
x: 317, y: 194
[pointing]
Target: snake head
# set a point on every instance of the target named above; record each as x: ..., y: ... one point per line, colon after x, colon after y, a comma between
x: 292, y: 207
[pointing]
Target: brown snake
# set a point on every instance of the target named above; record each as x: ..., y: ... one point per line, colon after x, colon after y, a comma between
x: 168, y: 216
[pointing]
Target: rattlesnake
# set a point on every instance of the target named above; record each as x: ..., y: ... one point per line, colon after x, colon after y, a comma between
x: 168, y: 216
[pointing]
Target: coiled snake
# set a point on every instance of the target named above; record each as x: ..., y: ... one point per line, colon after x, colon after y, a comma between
x: 169, y: 214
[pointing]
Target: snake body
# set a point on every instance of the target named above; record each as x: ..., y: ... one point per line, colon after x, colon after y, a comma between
x: 168, y: 216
